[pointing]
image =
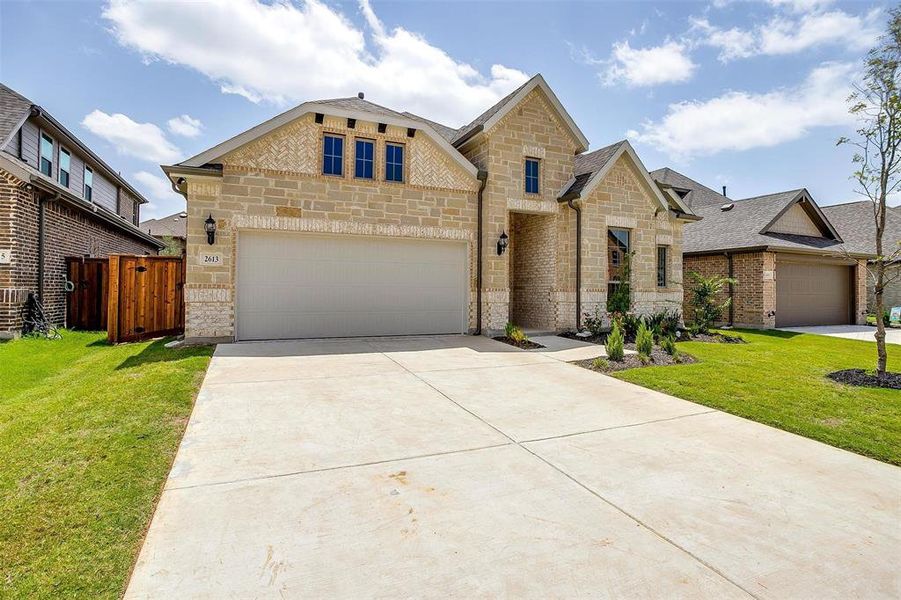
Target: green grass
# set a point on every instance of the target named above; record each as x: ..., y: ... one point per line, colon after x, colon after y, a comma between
x: 778, y: 378
x: 88, y: 432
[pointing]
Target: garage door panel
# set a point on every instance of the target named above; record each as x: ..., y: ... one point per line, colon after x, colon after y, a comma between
x: 810, y: 293
x: 308, y: 285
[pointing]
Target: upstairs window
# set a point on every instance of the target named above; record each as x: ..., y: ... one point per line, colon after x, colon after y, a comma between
x: 65, y: 160
x: 662, y: 260
x: 46, y: 155
x: 394, y: 162
x: 333, y: 155
x: 363, y: 159
x: 532, y: 165
x: 88, y: 183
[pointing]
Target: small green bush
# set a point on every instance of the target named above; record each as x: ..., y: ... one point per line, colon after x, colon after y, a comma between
x: 644, y: 340
x: 595, y: 323
x: 600, y: 363
x: 668, y: 344
x: 515, y: 333
x: 705, y: 299
x: 615, y: 343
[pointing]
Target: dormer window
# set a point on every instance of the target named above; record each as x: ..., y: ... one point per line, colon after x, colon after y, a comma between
x: 531, y: 175
x: 46, y: 155
x: 333, y: 155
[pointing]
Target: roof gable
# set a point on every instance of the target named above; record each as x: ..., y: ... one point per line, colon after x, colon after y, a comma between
x: 791, y: 215
x: 14, y: 110
x: 603, y: 161
x: 488, y: 119
x: 350, y: 108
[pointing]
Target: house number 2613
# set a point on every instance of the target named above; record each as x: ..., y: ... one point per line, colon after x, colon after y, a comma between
x: 211, y: 259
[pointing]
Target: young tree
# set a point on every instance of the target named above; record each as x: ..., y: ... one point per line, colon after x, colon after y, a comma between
x: 705, y: 306
x: 877, y: 105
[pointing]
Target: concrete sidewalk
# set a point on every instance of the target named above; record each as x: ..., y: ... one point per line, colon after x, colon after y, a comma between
x: 851, y: 332
x: 460, y: 467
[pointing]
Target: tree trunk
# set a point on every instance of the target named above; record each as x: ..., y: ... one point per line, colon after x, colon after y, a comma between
x: 880, y: 325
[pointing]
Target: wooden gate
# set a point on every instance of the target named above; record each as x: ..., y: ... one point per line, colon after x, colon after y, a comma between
x: 146, y: 297
x: 86, y: 304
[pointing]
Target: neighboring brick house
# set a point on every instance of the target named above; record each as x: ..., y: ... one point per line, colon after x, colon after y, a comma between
x: 856, y: 224
x: 792, y: 266
x: 171, y: 230
x: 343, y: 217
x: 57, y: 199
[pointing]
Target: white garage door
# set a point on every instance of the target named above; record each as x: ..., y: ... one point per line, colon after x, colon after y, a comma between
x: 297, y: 285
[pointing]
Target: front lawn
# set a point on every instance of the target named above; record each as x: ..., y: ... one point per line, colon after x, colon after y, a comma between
x: 778, y: 378
x: 88, y: 432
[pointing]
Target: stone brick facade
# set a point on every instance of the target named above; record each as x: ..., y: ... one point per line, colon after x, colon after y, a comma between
x: 754, y: 294
x: 68, y: 232
x: 275, y: 183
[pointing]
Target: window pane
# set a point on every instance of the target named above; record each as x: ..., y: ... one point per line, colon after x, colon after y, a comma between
x: 394, y: 162
x: 46, y: 147
x: 661, y: 266
x: 363, y: 162
x: 617, y: 252
x: 332, y: 155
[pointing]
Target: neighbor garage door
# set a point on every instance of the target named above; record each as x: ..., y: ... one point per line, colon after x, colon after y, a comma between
x: 811, y: 293
x: 294, y: 285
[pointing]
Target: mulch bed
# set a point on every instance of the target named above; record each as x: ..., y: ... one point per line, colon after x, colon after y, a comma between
x: 594, y: 339
x: 659, y: 358
x: 863, y: 378
x: 712, y: 338
x: 524, y: 345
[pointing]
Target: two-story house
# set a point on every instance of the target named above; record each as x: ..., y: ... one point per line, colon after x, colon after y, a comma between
x: 57, y: 199
x: 345, y: 218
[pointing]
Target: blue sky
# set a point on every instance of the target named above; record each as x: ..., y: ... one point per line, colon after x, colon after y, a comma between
x: 746, y: 94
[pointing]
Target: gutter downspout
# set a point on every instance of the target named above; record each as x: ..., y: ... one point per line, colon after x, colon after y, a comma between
x: 578, y: 210
x: 41, y: 234
x: 483, y: 181
x: 729, y: 257
x: 175, y: 187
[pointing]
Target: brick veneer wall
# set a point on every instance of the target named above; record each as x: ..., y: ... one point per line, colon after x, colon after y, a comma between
x: 754, y: 300
x: 533, y: 270
x: 68, y: 232
x: 891, y: 296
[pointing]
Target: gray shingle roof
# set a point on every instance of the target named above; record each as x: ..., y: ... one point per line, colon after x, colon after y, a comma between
x: 355, y: 103
x: 855, y: 223
x: 14, y: 108
x: 589, y: 163
x: 482, y: 118
x: 698, y: 194
x: 174, y: 225
x: 448, y: 133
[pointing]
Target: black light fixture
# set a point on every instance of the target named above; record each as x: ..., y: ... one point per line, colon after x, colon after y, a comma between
x: 502, y: 243
x: 210, y: 227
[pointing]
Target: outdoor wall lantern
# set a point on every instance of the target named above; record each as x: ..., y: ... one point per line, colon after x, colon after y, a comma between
x: 502, y: 243
x: 210, y: 227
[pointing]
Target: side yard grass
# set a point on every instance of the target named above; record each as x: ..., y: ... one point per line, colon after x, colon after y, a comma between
x: 778, y: 378
x: 87, y: 435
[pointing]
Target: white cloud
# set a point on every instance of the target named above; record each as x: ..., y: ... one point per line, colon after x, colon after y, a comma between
x: 742, y: 120
x: 805, y: 26
x: 800, y: 6
x: 141, y: 140
x: 185, y: 125
x: 642, y: 67
x: 283, y: 52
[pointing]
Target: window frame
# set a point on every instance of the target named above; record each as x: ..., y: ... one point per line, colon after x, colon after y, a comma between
x: 44, y: 135
x: 60, y: 170
x: 335, y: 136
x: 619, y: 262
x: 664, y: 266
x: 401, y: 165
x: 87, y: 189
x: 371, y: 160
x: 537, y: 177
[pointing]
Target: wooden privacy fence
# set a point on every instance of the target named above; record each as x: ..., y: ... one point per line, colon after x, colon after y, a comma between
x: 132, y: 297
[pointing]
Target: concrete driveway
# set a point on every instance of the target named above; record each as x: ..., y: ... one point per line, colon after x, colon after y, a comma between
x: 461, y: 467
x: 852, y: 332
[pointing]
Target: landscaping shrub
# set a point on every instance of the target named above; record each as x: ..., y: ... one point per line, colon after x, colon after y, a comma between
x: 515, y: 333
x: 644, y: 340
x: 703, y: 301
x: 615, y: 343
x: 595, y: 323
x: 664, y: 323
x: 668, y: 345
x: 600, y: 363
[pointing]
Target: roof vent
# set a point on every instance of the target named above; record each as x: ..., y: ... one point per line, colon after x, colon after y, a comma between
x: 726, y: 207
x: 360, y: 95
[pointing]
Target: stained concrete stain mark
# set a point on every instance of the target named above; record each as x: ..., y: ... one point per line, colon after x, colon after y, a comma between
x: 274, y: 568
x: 400, y: 477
